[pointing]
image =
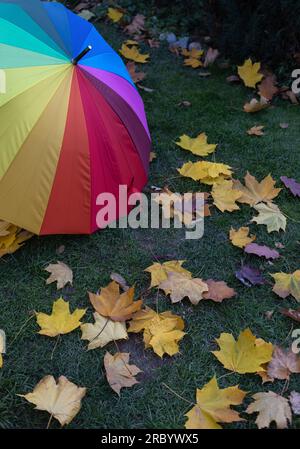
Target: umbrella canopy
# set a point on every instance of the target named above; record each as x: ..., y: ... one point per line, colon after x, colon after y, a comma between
x: 72, y: 124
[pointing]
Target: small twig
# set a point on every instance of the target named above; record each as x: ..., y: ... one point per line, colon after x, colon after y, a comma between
x: 176, y: 394
x: 285, y: 386
x: 21, y: 329
x: 55, y: 346
x: 100, y: 331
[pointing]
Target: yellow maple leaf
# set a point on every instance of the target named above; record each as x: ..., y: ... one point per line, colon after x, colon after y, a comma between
x: 193, y: 62
x: 141, y: 320
x: 163, y: 335
x: 62, y: 399
x: 198, y: 146
x: 271, y: 216
x: 248, y: 72
x: 111, y: 304
x: 213, y: 406
x: 133, y: 54
x: 193, y: 53
x: 115, y: 14
x: 179, y: 286
x: 254, y: 192
x: 159, y: 271
x: 61, y: 321
x: 103, y: 331
x: 118, y: 371
x: 287, y: 284
x: 206, y: 172
x: 11, y: 238
x: 241, y: 237
x: 246, y: 355
x: 225, y: 196
x: 60, y: 273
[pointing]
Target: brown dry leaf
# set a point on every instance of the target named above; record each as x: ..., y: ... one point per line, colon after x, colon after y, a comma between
x: 267, y: 88
x: 119, y: 280
x: 270, y: 407
x: 111, y: 304
x: 255, y: 192
x: 256, y: 131
x: 137, y: 26
x: 210, y: 56
x: 289, y: 95
x: 256, y: 106
x: 241, y: 237
x: 60, y: 273
x: 283, y: 363
x: 135, y: 76
x: 179, y: 286
x: 118, y: 371
x: 152, y: 156
x: 218, y: 291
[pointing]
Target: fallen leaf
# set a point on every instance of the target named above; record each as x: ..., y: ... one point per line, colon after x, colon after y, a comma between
x: 135, y: 76
x: 287, y: 284
x: 185, y: 104
x: 102, y: 332
x: 61, y: 321
x: 292, y: 185
x: 246, y: 355
x: 211, y: 56
x: 111, y: 304
x: 146, y: 89
x: 193, y: 62
x: 267, y: 88
x: 159, y: 271
x: 283, y: 364
x: 295, y: 402
x: 233, y: 79
x: 133, y: 54
x: 118, y: 371
x: 270, y: 407
x: 255, y: 105
x: 163, y: 335
x: 241, y: 237
x: 12, y: 238
x: 271, y: 216
x: 249, y: 73
x: 60, y: 273
x: 137, y: 26
x: 62, y: 399
x: 206, y: 172
x: 2, y: 348
x: 213, y: 406
x: 153, y: 43
x: 218, y: 291
x: 256, y: 131
x: 141, y: 320
x: 119, y: 280
x: 225, y: 196
x: 255, y: 192
x: 198, y: 146
x: 291, y: 313
x: 86, y: 14
x: 250, y: 276
x: 261, y: 251
x: 152, y: 156
x: 194, y: 53
x: 179, y: 286
x: 283, y: 125
x: 115, y: 14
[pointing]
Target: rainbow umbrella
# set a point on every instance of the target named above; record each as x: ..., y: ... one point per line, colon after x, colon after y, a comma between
x: 72, y: 124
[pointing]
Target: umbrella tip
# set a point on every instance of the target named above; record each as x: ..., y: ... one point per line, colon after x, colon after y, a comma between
x: 81, y: 55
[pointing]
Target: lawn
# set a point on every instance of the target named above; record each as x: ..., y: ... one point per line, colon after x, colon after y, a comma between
x: 217, y: 110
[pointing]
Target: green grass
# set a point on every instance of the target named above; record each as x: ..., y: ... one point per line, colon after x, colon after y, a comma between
x: 217, y: 110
